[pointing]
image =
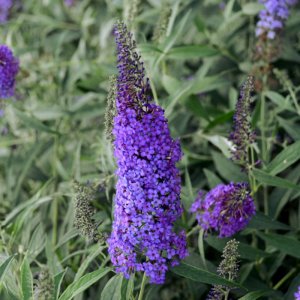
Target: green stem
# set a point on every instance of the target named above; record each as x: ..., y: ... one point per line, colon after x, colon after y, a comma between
x: 193, y: 230
x: 226, y: 294
x: 287, y: 276
x: 264, y: 143
x: 144, y: 280
x: 201, y: 247
x: 262, y: 124
x: 293, y: 95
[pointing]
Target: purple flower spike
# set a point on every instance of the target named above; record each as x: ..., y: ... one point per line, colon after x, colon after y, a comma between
x: 5, y: 6
x: 242, y: 134
x: 9, y: 68
x: 226, y: 208
x: 147, y: 201
x: 297, y: 294
x: 271, y: 19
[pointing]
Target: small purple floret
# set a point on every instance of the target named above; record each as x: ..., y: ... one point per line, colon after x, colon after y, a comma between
x: 297, y: 294
x: 147, y: 201
x: 272, y: 18
x: 9, y: 68
x: 226, y: 208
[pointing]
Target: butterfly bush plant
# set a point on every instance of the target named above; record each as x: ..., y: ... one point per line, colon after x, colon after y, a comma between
x: 150, y: 150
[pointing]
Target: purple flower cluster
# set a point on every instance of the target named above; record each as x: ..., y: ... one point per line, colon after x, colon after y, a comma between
x: 9, y: 68
x: 226, y: 208
x: 147, y: 201
x: 5, y: 6
x: 242, y: 134
x: 297, y: 294
x: 271, y: 19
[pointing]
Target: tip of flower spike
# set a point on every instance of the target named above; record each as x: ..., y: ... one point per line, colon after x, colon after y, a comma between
x: 132, y: 85
x: 242, y: 134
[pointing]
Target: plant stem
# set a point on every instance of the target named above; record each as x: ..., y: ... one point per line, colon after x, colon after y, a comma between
x: 264, y: 143
x: 294, y: 98
x: 226, y: 294
x: 141, y: 294
x: 193, y: 230
x: 201, y: 247
x: 287, y: 276
x: 262, y: 129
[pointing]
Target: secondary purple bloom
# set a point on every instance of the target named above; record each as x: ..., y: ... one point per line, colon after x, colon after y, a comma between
x: 5, y: 6
x: 242, y: 134
x: 147, y: 199
x: 9, y: 68
x: 272, y: 18
x: 297, y: 294
x: 226, y: 208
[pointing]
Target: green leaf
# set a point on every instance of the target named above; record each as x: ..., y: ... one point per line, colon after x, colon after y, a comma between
x: 254, y: 295
x: 5, y: 265
x: 170, y: 83
x: 283, y: 243
x: 201, y: 275
x: 195, y: 106
x: 33, y: 122
x: 291, y: 127
x: 192, y: 51
x: 95, y: 251
x: 260, y: 221
x: 221, y: 119
x: 227, y: 169
x: 26, y: 280
x: 279, y: 100
x: 252, y: 9
x: 113, y: 289
x: 130, y: 288
x: 284, y: 159
x: 270, y: 180
x: 206, y: 84
x: 78, y: 286
x: 220, y: 142
x: 58, y: 278
x: 212, y: 178
x: 246, y: 251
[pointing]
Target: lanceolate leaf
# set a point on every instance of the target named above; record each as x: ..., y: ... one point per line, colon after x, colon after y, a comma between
x: 265, y: 178
x: 83, y: 283
x: 113, y: 289
x: 246, y: 251
x: 260, y: 221
x: 254, y: 295
x: 58, y: 278
x: 26, y: 280
x: 201, y: 275
x: 5, y: 265
x: 284, y: 159
x: 283, y: 243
